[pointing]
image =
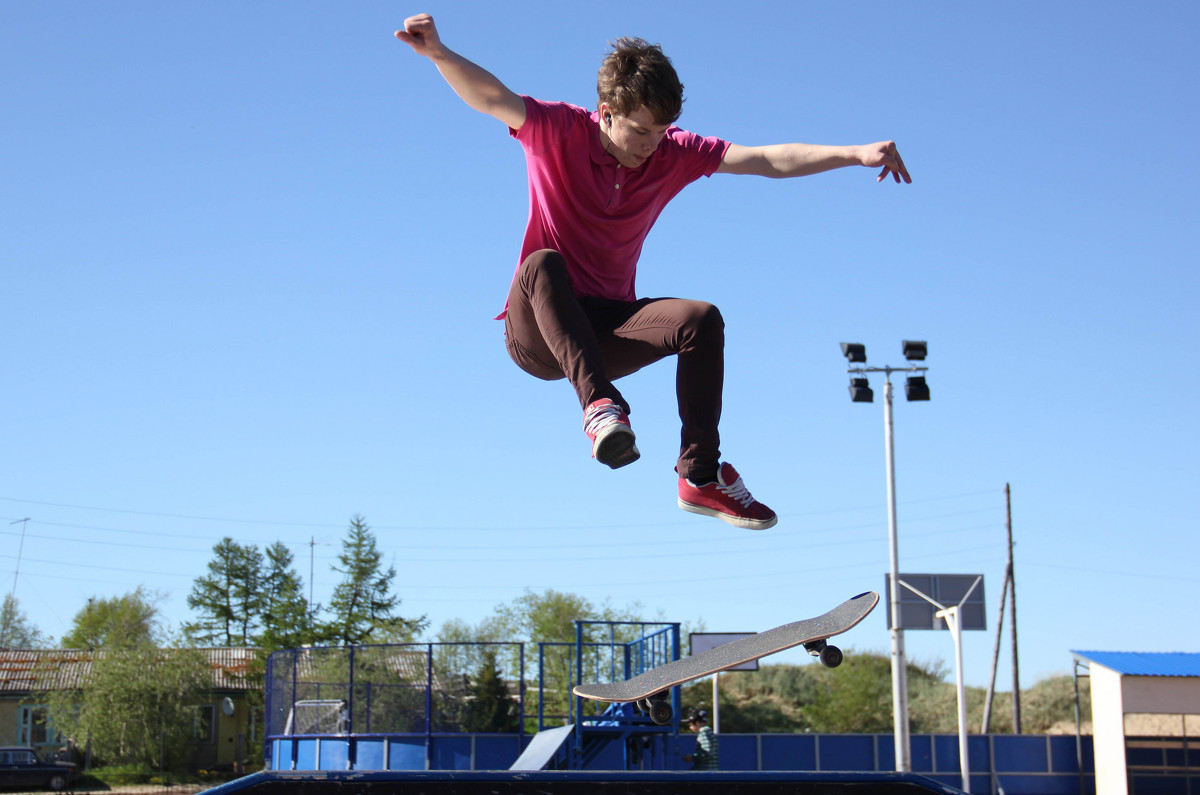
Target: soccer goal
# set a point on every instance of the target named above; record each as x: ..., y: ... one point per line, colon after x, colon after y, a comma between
x: 317, y: 716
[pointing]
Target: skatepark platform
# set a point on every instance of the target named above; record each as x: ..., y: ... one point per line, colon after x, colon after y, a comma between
x: 579, y: 782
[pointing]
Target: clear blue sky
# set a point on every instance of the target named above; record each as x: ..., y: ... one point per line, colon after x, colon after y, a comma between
x: 250, y: 253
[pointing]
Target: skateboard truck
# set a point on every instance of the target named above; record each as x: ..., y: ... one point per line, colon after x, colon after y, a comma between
x: 830, y: 656
x: 657, y: 707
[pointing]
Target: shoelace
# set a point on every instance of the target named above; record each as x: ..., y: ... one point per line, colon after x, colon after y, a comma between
x: 738, y: 491
x: 600, y: 418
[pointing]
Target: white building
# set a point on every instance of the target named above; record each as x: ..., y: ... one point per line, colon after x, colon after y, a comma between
x: 1146, y: 721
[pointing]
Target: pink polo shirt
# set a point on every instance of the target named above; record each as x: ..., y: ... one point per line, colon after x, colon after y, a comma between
x: 588, y: 207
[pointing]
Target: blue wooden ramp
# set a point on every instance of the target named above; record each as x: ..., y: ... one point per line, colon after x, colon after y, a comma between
x: 579, y: 782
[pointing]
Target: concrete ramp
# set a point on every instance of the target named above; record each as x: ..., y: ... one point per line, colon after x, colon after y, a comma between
x: 542, y: 748
x: 580, y: 782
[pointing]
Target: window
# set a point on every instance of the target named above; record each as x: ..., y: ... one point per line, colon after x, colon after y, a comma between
x: 205, y: 724
x: 34, y: 727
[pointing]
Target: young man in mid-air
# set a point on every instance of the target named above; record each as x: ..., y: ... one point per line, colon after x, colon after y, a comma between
x: 598, y: 180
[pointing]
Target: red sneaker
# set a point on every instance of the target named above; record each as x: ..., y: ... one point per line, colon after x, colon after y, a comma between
x: 727, y: 499
x: 607, y: 425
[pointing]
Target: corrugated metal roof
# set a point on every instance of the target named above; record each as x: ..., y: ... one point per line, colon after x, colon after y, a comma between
x: 27, y: 670
x: 1145, y: 663
x: 59, y: 669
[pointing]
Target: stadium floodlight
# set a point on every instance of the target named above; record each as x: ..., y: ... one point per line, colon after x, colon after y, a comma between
x: 854, y: 352
x: 860, y: 391
x: 915, y: 388
x: 914, y: 350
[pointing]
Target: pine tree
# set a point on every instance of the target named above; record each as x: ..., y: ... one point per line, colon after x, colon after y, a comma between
x: 490, y: 708
x: 229, y: 597
x: 362, y: 603
x: 286, y: 620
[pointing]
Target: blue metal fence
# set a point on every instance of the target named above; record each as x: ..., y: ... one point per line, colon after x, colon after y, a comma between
x: 1012, y: 764
x: 401, y: 707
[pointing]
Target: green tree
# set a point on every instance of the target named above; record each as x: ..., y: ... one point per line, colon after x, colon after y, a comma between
x: 546, y: 617
x: 137, y: 702
x: 770, y: 699
x: 933, y: 707
x: 136, y: 706
x: 855, y: 697
x: 16, y: 631
x: 119, y: 622
x: 490, y: 707
x: 549, y: 617
x: 362, y: 604
x: 229, y: 597
x: 286, y: 621
x: 459, y: 650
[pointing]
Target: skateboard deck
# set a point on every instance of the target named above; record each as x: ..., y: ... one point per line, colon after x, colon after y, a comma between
x: 649, y: 690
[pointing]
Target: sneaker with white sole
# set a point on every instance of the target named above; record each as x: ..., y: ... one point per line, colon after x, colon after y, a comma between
x: 613, y: 442
x: 727, y: 499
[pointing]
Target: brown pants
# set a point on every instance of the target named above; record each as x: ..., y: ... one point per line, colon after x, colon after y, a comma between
x: 552, y: 334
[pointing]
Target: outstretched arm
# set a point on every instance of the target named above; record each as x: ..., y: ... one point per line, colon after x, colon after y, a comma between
x: 800, y: 160
x: 476, y: 86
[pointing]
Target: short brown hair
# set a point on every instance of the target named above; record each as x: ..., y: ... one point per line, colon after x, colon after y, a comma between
x: 638, y: 73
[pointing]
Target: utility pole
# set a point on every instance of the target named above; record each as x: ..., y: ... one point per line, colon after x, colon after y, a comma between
x: 1012, y: 582
x: 991, y: 691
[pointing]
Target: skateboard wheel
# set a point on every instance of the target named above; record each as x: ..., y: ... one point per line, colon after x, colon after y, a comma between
x: 661, y: 712
x: 831, y: 656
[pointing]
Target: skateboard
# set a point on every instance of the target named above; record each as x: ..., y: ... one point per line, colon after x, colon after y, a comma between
x: 650, y: 689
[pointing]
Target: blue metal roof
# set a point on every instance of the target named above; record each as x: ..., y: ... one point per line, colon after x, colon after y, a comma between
x: 1145, y: 663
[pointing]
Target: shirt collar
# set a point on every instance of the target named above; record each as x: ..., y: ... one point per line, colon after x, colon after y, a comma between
x: 595, y: 147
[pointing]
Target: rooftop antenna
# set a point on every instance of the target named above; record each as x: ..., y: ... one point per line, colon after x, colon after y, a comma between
x: 12, y: 597
x: 20, y: 547
x: 313, y: 543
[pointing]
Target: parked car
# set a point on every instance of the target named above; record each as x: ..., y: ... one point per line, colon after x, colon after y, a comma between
x: 20, y: 768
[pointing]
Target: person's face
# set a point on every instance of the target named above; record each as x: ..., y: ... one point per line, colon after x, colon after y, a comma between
x: 634, y: 137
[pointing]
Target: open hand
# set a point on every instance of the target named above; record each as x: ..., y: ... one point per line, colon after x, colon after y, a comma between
x: 885, y: 154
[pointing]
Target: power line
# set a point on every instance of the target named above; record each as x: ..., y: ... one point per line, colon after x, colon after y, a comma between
x: 441, y: 528
x: 165, y: 515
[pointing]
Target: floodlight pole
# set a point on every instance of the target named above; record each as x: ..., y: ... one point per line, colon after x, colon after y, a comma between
x: 900, y: 727
x: 899, y: 662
